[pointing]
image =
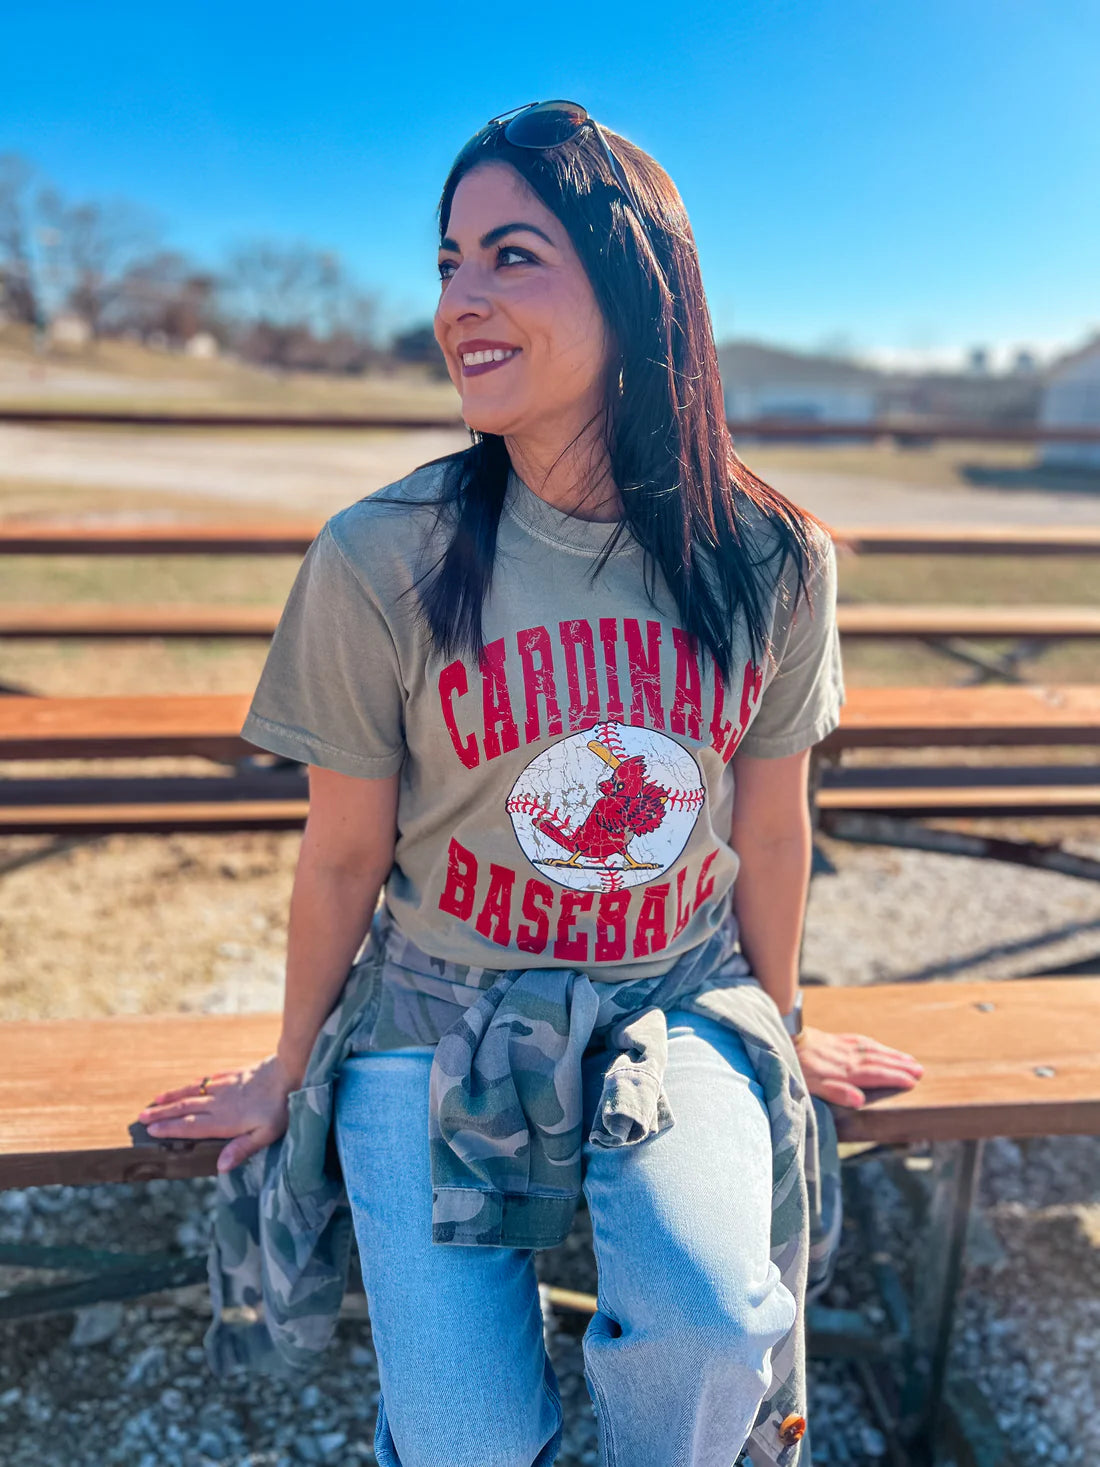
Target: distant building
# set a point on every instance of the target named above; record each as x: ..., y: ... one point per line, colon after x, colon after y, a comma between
x: 69, y: 329
x: 1072, y: 400
x: 203, y: 345
x: 764, y: 382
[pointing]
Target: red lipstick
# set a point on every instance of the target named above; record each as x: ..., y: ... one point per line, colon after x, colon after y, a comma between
x: 486, y: 353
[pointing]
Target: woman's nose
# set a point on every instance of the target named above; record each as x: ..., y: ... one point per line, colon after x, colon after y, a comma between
x: 464, y: 296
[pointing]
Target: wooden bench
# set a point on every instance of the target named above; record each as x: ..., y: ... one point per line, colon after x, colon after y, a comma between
x: 1012, y: 1058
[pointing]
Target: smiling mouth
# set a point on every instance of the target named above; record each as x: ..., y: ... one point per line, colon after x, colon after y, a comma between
x: 474, y: 363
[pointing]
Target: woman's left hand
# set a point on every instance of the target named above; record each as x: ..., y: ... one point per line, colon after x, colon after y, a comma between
x: 838, y: 1067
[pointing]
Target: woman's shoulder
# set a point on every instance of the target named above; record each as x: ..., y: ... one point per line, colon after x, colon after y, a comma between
x: 774, y: 534
x: 790, y: 567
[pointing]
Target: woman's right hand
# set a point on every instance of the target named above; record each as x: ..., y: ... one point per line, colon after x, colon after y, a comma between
x: 249, y: 1105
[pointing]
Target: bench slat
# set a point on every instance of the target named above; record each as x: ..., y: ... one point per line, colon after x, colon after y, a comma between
x: 1017, y: 715
x: 74, y: 619
x: 1004, y: 800
x: 155, y: 817
x: 65, y: 1106
x: 970, y: 539
x: 67, y: 728
x: 293, y: 537
x: 863, y: 621
x: 198, y: 817
x: 287, y: 537
x: 53, y: 728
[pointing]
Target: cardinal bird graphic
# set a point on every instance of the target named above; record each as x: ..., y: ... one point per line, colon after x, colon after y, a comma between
x: 629, y: 805
x: 608, y: 806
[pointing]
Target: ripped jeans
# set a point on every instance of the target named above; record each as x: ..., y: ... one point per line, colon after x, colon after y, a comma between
x: 677, y: 1357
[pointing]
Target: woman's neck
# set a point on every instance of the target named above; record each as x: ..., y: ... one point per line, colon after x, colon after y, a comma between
x: 575, y: 479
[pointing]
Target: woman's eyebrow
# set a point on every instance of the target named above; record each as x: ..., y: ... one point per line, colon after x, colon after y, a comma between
x: 491, y: 237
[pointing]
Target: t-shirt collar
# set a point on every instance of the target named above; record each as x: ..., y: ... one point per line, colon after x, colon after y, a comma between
x: 566, y: 531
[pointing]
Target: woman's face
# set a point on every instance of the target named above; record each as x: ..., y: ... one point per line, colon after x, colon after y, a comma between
x: 514, y: 296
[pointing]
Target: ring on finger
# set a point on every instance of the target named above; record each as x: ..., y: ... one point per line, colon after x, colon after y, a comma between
x: 202, y: 1088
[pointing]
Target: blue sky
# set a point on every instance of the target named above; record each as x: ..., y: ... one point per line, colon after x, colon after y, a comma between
x: 905, y: 179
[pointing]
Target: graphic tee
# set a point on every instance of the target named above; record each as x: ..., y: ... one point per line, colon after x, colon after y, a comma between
x: 565, y: 801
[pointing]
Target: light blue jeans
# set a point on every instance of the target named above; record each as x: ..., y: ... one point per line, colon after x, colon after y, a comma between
x: 678, y: 1356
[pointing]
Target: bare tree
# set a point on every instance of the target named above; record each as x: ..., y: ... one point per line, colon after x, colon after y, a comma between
x: 163, y: 293
x: 297, y: 306
x: 20, y: 298
x: 290, y: 305
x: 417, y: 344
x: 89, y: 249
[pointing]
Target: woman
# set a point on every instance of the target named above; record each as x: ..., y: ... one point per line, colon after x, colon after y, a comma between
x: 527, y: 681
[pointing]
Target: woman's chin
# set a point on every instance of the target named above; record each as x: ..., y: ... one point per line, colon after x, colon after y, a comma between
x: 487, y: 417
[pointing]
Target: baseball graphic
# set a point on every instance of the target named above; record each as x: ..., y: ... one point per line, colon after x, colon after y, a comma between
x: 606, y: 808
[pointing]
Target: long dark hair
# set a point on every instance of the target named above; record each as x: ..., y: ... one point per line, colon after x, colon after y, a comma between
x: 683, y: 487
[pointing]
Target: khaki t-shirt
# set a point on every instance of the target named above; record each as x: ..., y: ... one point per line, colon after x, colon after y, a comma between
x: 568, y: 801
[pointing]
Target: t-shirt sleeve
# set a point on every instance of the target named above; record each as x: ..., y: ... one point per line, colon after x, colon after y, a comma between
x: 330, y: 692
x: 801, y: 703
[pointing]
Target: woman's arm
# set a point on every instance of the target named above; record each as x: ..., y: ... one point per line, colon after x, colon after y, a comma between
x: 772, y: 834
x: 345, y: 858
x: 346, y: 855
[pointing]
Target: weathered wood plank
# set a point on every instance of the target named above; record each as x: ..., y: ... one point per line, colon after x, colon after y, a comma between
x: 865, y: 621
x: 292, y: 537
x: 52, y: 728
x: 77, y: 619
x: 879, y: 621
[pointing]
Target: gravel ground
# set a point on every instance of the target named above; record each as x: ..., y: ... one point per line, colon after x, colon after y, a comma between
x: 128, y: 1384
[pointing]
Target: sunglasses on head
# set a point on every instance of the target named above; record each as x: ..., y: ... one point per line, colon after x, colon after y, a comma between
x: 549, y: 125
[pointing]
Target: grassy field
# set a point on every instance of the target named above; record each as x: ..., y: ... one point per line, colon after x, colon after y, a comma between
x: 117, y: 375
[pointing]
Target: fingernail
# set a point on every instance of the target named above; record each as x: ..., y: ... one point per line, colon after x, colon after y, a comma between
x: 154, y: 1130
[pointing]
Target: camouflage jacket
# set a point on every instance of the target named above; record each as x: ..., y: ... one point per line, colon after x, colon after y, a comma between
x: 509, y: 1173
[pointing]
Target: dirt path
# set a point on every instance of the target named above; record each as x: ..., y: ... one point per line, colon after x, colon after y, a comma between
x: 321, y: 472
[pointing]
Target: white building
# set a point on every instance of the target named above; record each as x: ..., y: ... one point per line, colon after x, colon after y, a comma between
x: 764, y: 382
x: 1072, y: 400
x: 203, y: 346
x: 69, y: 329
